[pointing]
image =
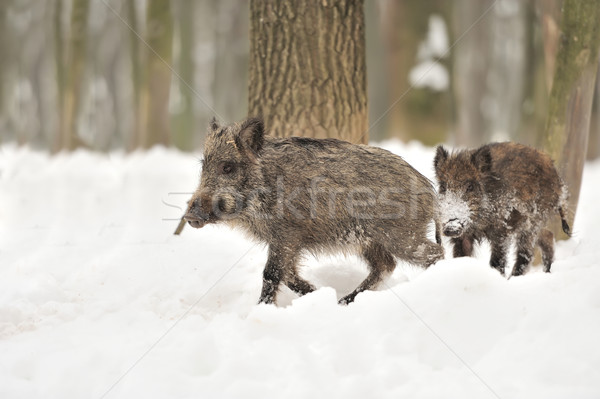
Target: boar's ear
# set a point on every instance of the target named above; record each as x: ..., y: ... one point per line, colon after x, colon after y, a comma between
x: 482, y: 159
x: 251, y: 137
x: 213, y: 125
x: 440, y: 156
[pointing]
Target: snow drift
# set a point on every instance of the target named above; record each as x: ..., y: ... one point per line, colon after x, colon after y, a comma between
x: 98, y: 299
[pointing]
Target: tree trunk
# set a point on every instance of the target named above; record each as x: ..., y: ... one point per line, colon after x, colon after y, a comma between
x: 572, y: 93
x: 154, y: 96
x: 378, y: 88
x: 307, y: 74
x: 231, y: 60
x: 471, y: 63
x: 183, y: 117
x: 137, y: 76
x: 5, y: 48
x: 594, y: 144
x: 550, y: 17
x: 70, y: 68
x: 417, y: 112
x: 489, y: 73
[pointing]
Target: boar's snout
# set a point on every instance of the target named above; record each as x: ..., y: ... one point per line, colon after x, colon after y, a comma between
x: 196, y: 216
x: 453, y: 228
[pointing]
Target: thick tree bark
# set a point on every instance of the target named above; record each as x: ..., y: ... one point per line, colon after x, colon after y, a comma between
x: 307, y: 74
x: 572, y: 92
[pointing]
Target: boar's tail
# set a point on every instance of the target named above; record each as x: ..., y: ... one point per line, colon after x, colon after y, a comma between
x: 563, y: 207
x: 563, y: 219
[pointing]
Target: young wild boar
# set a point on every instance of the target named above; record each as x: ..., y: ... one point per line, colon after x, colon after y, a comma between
x: 499, y: 192
x: 303, y: 195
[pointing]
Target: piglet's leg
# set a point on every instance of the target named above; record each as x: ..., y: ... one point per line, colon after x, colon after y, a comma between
x: 546, y: 243
x: 280, y: 261
x: 463, y: 246
x: 499, y: 251
x: 525, y: 244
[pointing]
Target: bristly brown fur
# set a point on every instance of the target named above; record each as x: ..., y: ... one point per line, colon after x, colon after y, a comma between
x: 307, y: 195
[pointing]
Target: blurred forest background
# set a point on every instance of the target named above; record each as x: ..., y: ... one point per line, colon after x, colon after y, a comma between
x: 128, y: 74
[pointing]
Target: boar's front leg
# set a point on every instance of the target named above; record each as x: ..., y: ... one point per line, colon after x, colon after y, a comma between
x: 463, y: 246
x: 380, y: 262
x: 280, y: 262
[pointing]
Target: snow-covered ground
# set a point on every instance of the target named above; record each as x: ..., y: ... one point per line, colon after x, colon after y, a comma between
x: 99, y: 300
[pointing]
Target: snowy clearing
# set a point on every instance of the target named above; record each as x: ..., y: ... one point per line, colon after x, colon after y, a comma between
x: 99, y: 299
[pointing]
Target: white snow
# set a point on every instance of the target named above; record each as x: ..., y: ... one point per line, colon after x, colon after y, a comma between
x: 99, y: 300
x: 429, y: 72
x: 454, y: 211
x: 435, y: 44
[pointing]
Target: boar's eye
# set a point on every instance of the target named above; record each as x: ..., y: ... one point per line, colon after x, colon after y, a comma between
x: 226, y: 168
x: 442, y: 187
x: 470, y: 186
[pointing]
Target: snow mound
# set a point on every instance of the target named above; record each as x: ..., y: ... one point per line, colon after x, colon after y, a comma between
x: 98, y: 299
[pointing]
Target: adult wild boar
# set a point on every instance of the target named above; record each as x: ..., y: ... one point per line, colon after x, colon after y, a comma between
x: 500, y: 192
x: 302, y: 195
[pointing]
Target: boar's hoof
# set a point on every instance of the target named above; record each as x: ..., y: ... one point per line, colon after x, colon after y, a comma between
x: 346, y: 299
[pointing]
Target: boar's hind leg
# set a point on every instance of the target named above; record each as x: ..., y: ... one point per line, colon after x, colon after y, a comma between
x: 546, y: 243
x: 280, y: 261
x: 525, y: 245
x: 299, y: 285
x: 380, y: 262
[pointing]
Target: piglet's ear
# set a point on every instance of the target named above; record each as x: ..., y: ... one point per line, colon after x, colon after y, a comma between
x: 213, y: 125
x: 251, y: 137
x: 482, y: 159
x: 440, y: 156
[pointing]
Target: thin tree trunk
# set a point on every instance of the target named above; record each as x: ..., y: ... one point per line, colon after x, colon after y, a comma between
x: 307, y: 74
x: 137, y: 76
x: 183, y: 118
x: 471, y: 64
x: 5, y: 48
x: 154, y: 97
x: 59, y: 53
x: 70, y: 74
x: 416, y: 112
x: 230, y: 77
x: 572, y: 93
